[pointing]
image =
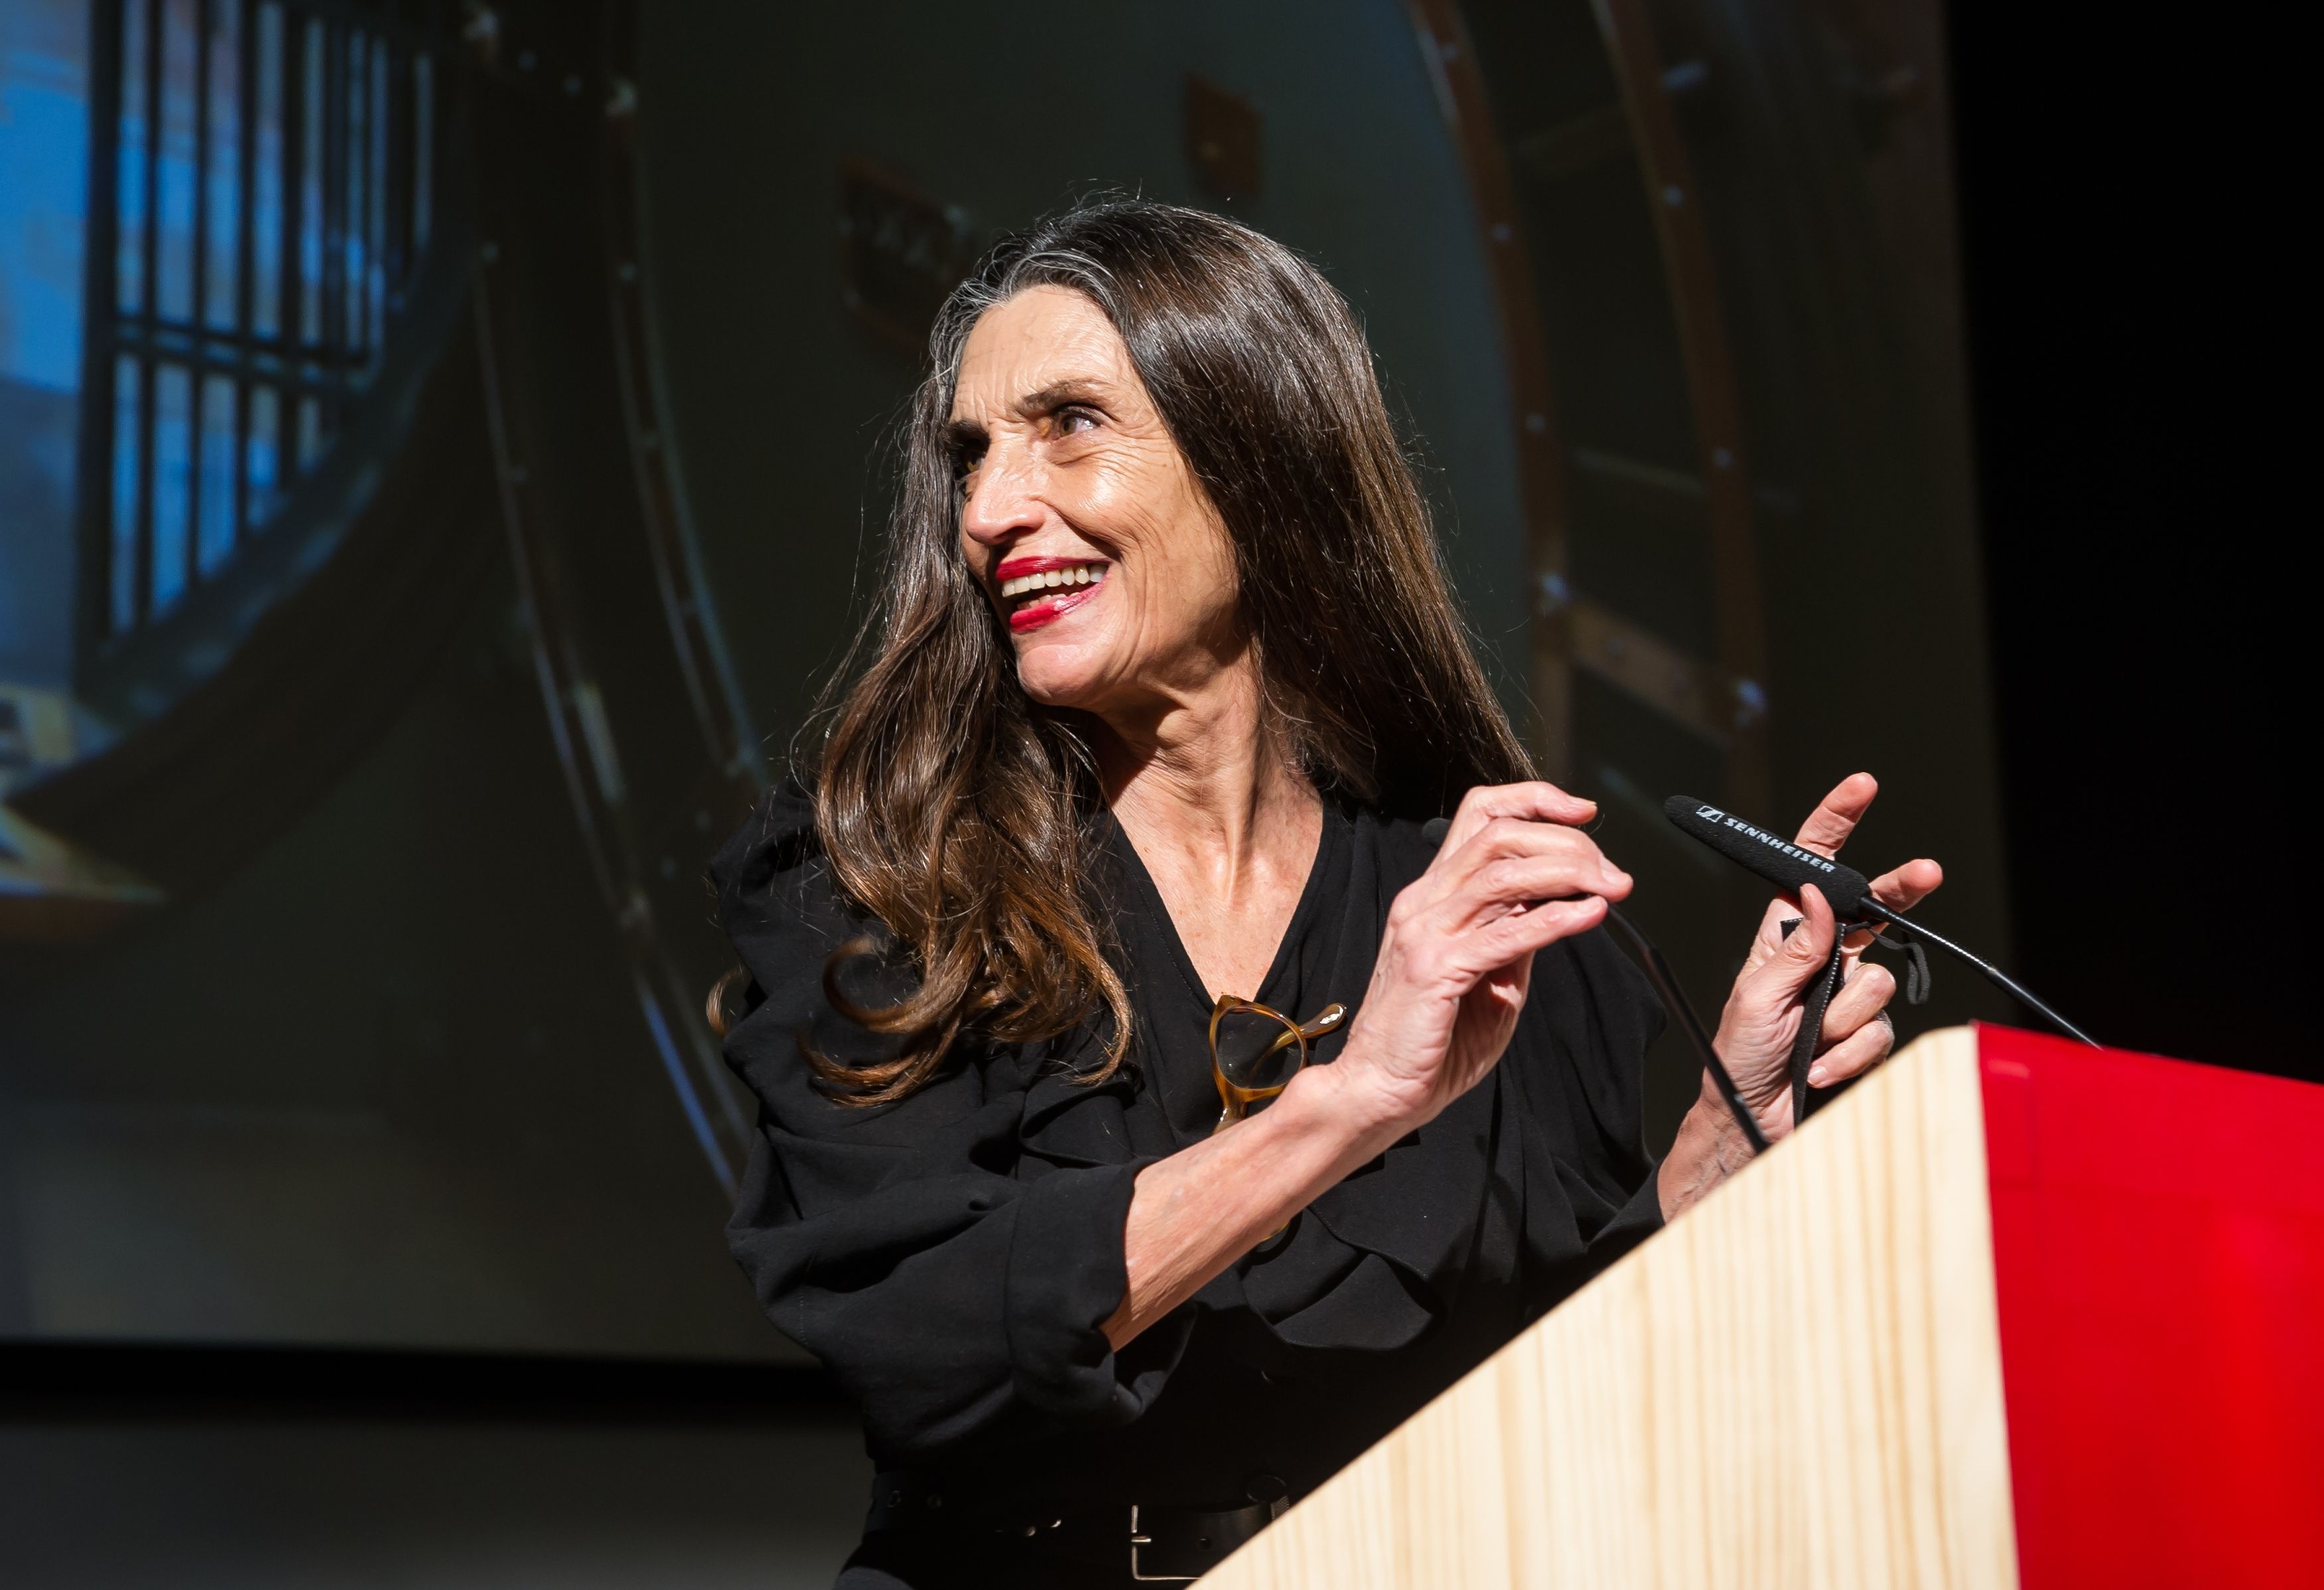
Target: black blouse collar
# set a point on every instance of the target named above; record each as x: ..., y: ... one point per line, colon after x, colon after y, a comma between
x: 1143, y: 901
x: 1173, y: 1006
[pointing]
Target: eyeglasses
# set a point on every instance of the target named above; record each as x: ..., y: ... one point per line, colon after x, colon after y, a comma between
x: 1255, y: 1051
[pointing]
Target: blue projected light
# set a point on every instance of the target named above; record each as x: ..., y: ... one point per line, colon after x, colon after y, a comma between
x: 44, y: 189
x: 43, y: 193
x: 263, y: 178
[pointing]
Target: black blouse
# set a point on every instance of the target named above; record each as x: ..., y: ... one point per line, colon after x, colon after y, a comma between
x: 951, y: 1257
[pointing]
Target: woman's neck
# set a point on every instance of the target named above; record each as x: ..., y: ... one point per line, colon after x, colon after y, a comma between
x: 1223, y: 818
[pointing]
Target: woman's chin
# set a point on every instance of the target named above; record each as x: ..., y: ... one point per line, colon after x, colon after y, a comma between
x: 1059, y: 696
x: 1059, y: 677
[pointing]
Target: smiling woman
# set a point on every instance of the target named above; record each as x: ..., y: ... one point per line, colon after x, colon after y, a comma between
x: 1167, y: 681
x: 1113, y: 392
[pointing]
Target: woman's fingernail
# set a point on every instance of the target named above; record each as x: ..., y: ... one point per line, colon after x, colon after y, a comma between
x: 1818, y: 1075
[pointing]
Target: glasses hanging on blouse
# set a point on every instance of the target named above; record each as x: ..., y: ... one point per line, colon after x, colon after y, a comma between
x: 1255, y: 1051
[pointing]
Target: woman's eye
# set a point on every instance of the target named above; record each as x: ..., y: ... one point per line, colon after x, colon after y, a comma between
x: 1073, y: 421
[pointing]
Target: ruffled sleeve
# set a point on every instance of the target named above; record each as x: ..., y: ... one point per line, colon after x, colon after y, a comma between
x: 953, y: 1282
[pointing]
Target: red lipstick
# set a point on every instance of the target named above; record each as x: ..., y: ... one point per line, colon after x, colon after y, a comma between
x: 1049, y: 609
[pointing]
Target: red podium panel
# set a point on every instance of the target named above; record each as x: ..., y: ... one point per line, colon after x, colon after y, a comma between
x: 2158, y: 1239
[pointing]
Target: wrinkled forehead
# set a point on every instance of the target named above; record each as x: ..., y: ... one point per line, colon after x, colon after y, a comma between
x: 1043, y: 340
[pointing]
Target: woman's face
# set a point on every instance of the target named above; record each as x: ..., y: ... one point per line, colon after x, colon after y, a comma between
x: 1080, y: 517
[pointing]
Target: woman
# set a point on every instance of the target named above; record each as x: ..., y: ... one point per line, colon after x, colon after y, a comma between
x: 1168, y: 679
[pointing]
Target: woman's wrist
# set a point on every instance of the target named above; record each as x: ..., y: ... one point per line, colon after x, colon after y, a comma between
x: 1710, y: 1148
x: 1358, y: 1118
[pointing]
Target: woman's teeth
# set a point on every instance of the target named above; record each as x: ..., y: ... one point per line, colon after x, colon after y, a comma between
x: 1081, y: 574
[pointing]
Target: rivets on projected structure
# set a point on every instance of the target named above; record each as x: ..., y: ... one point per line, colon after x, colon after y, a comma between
x: 901, y: 252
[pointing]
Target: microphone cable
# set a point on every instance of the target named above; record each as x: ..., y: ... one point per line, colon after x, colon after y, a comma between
x: 1674, y: 998
x: 1994, y: 974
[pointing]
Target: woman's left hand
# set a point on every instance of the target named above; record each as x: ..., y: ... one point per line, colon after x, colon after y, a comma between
x: 1762, y: 1019
x: 1770, y: 1000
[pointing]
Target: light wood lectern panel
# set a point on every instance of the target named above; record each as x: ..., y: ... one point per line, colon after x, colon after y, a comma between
x: 1798, y: 1384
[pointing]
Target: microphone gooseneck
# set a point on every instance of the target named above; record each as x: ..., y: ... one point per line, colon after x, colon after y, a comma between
x: 1788, y: 867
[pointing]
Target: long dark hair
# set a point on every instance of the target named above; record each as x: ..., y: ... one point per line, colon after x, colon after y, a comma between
x: 957, y: 811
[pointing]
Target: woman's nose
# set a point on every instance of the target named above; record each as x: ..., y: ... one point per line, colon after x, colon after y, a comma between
x: 1001, y: 502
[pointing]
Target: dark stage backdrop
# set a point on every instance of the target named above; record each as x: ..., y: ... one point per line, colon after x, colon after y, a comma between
x: 355, y: 939
x: 2132, y: 309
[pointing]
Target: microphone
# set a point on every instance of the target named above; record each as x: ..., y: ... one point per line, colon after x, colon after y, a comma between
x: 1775, y: 859
x: 1787, y: 866
x: 1674, y: 998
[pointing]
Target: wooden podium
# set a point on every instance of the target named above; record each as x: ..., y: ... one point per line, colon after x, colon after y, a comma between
x: 2011, y: 1312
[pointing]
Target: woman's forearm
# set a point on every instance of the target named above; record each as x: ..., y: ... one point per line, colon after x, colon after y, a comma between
x: 1203, y: 1207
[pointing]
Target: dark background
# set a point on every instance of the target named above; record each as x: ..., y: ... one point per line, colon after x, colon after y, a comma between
x: 2131, y: 322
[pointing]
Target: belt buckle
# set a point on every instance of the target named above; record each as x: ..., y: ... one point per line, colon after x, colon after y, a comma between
x: 1224, y: 1531
x: 1139, y: 1541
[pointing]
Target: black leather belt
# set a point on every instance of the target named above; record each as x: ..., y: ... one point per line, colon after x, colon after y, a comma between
x: 1164, y: 1544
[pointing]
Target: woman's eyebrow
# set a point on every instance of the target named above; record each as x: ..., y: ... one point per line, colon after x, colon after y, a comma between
x: 964, y: 436
x: 1049, y: 399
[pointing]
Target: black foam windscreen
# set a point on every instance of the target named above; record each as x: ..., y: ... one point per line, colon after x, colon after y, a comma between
x: 1771, y: 856
x: 1434, y: 829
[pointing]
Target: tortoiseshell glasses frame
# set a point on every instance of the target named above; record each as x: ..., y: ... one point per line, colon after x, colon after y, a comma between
x: 1256, y: 1050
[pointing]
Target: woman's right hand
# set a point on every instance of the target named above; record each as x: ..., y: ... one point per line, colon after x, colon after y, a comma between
x: 1456, y: 956
x: 1513, y: 875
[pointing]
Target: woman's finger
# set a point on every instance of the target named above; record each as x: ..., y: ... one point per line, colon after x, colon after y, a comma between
x: 1455, y: 872
x: 1524, y: 880
x: 1506, y: 840
x: 1792, y: 963
x: 1449, y: 955
x: 1507, y: 938
x: 1533, y: 801
x: 1862, y: 1050
x: 1909, y: 885
x: 1513, y: 887
x: 1838, y: 814
x: 1771, y: 940
x: 1861, y: 998
x: 1514, y: 836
